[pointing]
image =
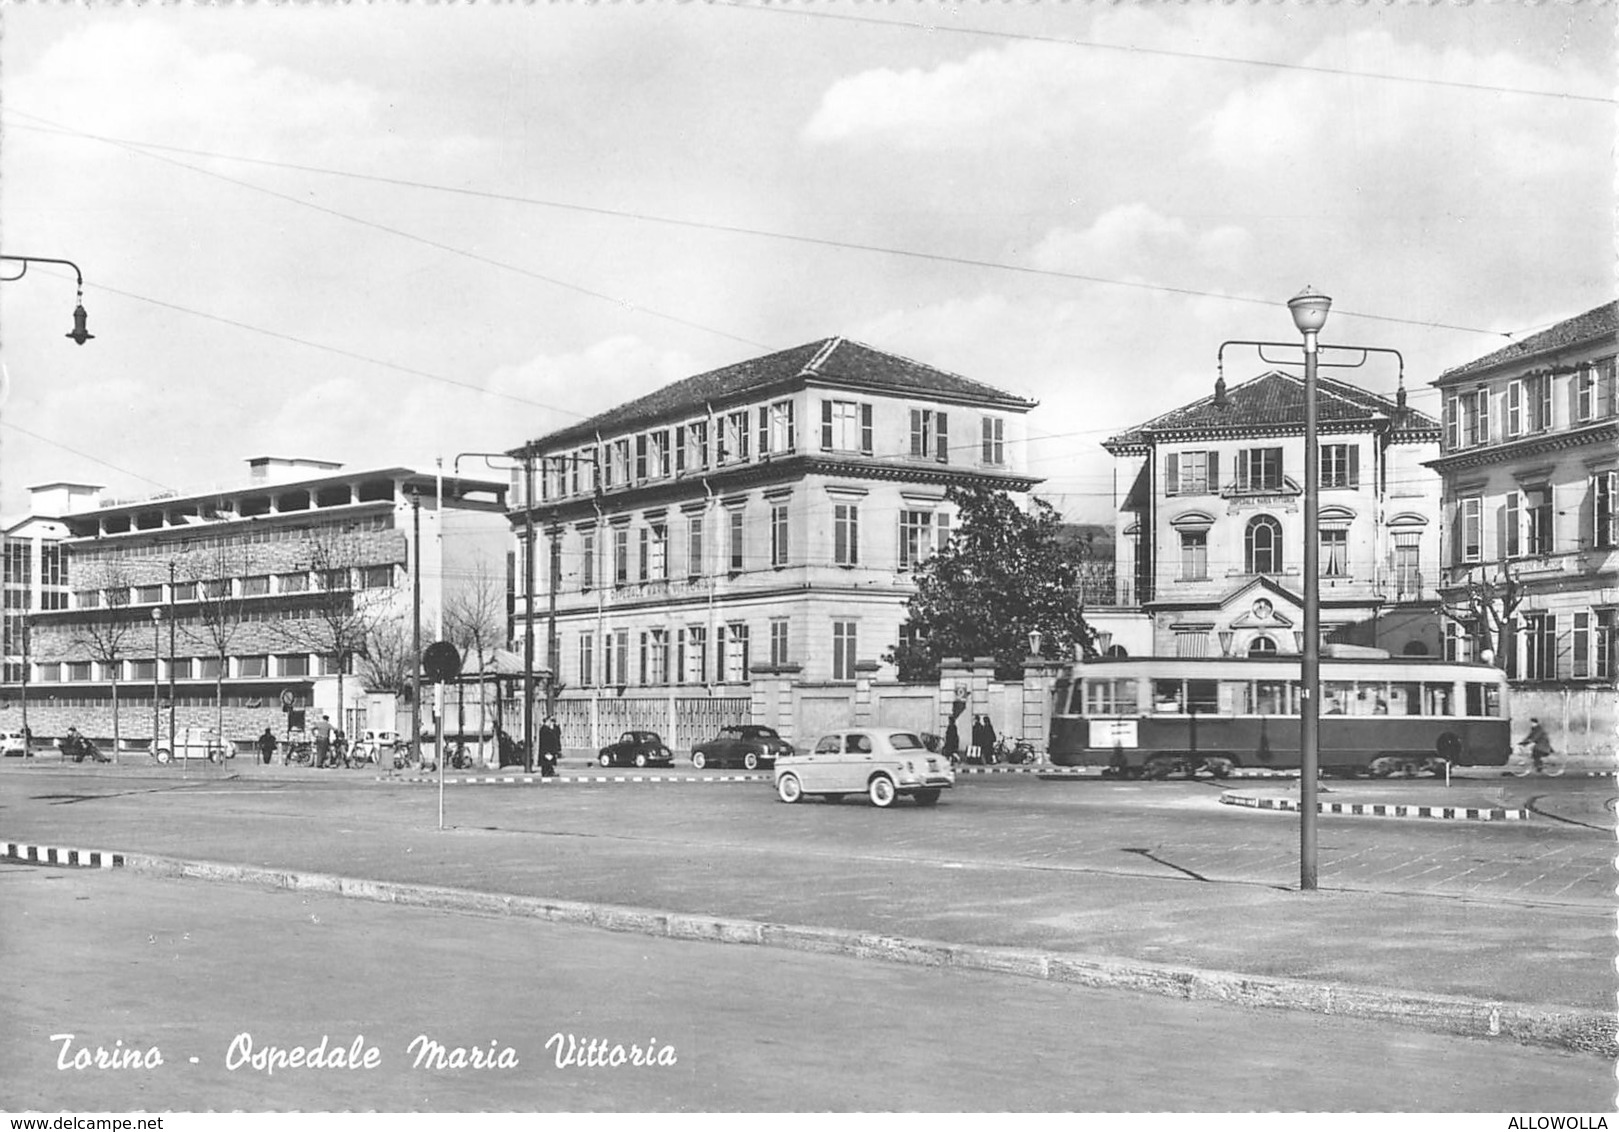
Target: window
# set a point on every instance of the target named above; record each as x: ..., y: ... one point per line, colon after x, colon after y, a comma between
x: 1605, y: 509
x: 621, y: 556
x: 1259, y: 469
x: 1512, y: 525
x: 143, y: 670
x: 921, y: 533
x: 248, y: 667
x: 152, y: 595
x: 994, y: 441
x: 1540, y: 646
x: 376, y: 577
x: 1192, y: 473
x: 846, y: 427
x: 212, y: 668
x: 1194, y: 556
x: 284, y: 583
x: 587, y: 660
x: 1470, y: 529
x: 655, y: 657
x: 1515, y: 407
x: 658, y: 457
x: 292, y: 664
x: 655, y: 552
x: 846, y: 534
x: 844, y: 643
x: 733, y: 438
x: 1543, y: 402
x: 930, y: 432
x: 697, y: 445
x: 1340, y: 465
x: 1263, y: 544
x: 1110, y: 697
x: 329, y: 580
x: 616, y: 657
x: 1582, y: 647
x: 734, y: 551
x: 587, y: 560
x: 778, y: 640
x: 1407, y: 572
x: 733, y: 660
x: 778, y: 534
x: 1335, y: 553
x: 694, y: 546
x: 1452, y: 423
x: 1538, y: 520
x: 1607, y: 644
x: 618, y: 463
x: 776, y: 427
x: 694, y: 654
x: 640, y: 458
x: 1585, y: 393
x: 1481, y: 416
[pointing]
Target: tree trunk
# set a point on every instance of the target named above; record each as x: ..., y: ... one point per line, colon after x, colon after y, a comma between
x: 219, y: 706
x: 115, y: 736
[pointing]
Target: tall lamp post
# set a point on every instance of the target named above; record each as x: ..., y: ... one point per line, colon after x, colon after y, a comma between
x: 157, y: 719
x: 79, y: 333
x: 1309, y: 309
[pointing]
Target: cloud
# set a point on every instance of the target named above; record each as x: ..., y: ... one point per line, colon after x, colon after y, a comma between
x: 1135, y: 241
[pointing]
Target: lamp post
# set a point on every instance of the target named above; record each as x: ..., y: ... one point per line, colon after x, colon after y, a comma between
x: 1309, y: 315
x: 157, y: 622
x: 79, y: 333
x: 1309, y: 310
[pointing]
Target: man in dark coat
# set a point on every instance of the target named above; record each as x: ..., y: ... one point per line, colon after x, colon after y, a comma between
x: 549, y: 742
x: 1538, y: 742
x: 266, y: 746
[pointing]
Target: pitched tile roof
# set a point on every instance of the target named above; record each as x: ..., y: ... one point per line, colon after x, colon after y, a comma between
x: 1594, y: 324
x: 834, y: 361
x: 1270, y: 400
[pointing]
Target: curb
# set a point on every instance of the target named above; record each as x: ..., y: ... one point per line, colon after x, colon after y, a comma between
x: 1580, y: 1031
x: 72, y: 858
x: 563, y: 779
x: 1381, y: 809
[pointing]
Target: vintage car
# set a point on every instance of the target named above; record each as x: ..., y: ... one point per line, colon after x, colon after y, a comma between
x: 637, y: 748
x: 374, y: 746
x: 881, y: 763
x: 14, y: 743
x: 747, y: 745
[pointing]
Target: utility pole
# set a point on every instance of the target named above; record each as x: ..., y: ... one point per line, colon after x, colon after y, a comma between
x: 416, y: 622
x: 171, y: 657
x: 528, y: 610
x: 27, y: 742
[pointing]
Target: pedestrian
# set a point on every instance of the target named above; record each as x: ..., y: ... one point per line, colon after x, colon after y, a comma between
x: 952, y: 742
x: 267, y: 746
x: 989, y: 741
x: 549, y: 742
x: 1538, y: 742
x: 323, y: 739
x: 340, y: 747
x: 975, y: 749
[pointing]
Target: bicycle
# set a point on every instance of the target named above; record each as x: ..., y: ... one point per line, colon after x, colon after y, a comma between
x: 1013, y: 751
x: 1521, y: 763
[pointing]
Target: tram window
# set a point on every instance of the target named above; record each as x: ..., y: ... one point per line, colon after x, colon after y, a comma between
x: 1110, y: 697
x: 1337, y: 697
x: 1405, y: 699
x: 1483, y: 700
x: 1436, y: 699
x: 1371, y: 698
x: 1271, y: 697
x: 1167, y: 696
x: 1203, y: 697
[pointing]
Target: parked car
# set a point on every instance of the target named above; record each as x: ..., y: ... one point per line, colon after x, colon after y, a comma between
x: 373, y: 746
x: 195, y: 743
x: 747, y: 744
x: 637, y: 748
x: 13, y: 743
x: 881, y: 763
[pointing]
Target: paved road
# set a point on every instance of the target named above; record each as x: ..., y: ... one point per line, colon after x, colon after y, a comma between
x: 1160, y: 871
x: 118, y: 957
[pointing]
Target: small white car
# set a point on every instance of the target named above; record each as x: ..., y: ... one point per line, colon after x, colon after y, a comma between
x: 879, y: 762
x: 13, y: 743
x: 374, y: 746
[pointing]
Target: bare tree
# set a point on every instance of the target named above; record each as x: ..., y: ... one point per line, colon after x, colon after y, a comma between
x: 1485, y: 608
x: 475, y: 622
x: 345, y: 604
x: 386, y: 664
x: 219, y: 576
x: 106, y: 635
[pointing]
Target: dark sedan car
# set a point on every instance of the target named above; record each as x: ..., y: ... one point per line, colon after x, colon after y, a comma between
x: 637, y: 748
x: 748, y: 745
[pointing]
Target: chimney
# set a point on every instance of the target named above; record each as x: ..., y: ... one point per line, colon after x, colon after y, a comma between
x: 1219, y: 392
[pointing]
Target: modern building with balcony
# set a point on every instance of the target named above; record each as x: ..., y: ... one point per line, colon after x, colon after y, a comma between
x: 762, y: 517
x: 1211, y: 521
x: 1530, y: 466
x: 280, y: 585
x: 35, y: 567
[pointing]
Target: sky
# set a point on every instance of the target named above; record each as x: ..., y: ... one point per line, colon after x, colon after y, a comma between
x: 388, y: 234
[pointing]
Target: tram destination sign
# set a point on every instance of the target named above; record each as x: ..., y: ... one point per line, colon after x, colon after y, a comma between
x: 1113, y: 733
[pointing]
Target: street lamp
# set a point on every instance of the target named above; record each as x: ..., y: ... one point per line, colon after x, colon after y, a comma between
x: 1309, y: 316
x: 157, y: 621
x: 79, y: 333
x: 1309, y: 309
x: 1034, y: 642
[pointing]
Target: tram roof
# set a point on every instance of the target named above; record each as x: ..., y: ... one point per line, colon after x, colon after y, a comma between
x: 1168, y: 663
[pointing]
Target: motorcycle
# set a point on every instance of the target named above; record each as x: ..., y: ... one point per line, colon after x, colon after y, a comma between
x: 78, y: 748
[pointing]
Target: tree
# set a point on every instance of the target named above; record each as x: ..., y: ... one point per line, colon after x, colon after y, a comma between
x: 386, y: 664
x: 107, y: 636
x: 1484, y: 610
x: 214, y: 620
x: 475, y: 623
x: 1002, y: 574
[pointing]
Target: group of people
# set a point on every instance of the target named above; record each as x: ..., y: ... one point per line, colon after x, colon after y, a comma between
x: 981, y: 749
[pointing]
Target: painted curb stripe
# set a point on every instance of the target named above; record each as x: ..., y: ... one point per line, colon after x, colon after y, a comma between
x: 1382, y: 810
x: 1581, y: 1031
x: 54, y: 855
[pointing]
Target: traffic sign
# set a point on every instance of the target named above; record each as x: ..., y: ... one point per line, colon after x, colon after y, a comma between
x: 440, y: 662
x: 287, y: 700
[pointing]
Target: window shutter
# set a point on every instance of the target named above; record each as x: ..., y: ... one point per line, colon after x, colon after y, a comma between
x: 1214, y: 472
x: 1244, y: 459
x: 643, y: 658
x: 1172, y: 475
x: 865, y: 430
x: 1354, y: 465
x: 764, y: 429
x: 988, y: 441
x: 941, y: 449
x: 645, y: 548
x: 919, y: 438
x: 791, y: 429
x: 826, y: 426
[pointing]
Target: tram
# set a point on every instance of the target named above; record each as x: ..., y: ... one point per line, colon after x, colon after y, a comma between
x: 1155, y: 716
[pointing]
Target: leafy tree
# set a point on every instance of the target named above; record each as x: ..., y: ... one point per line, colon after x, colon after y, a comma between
x: 1002, y: 574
